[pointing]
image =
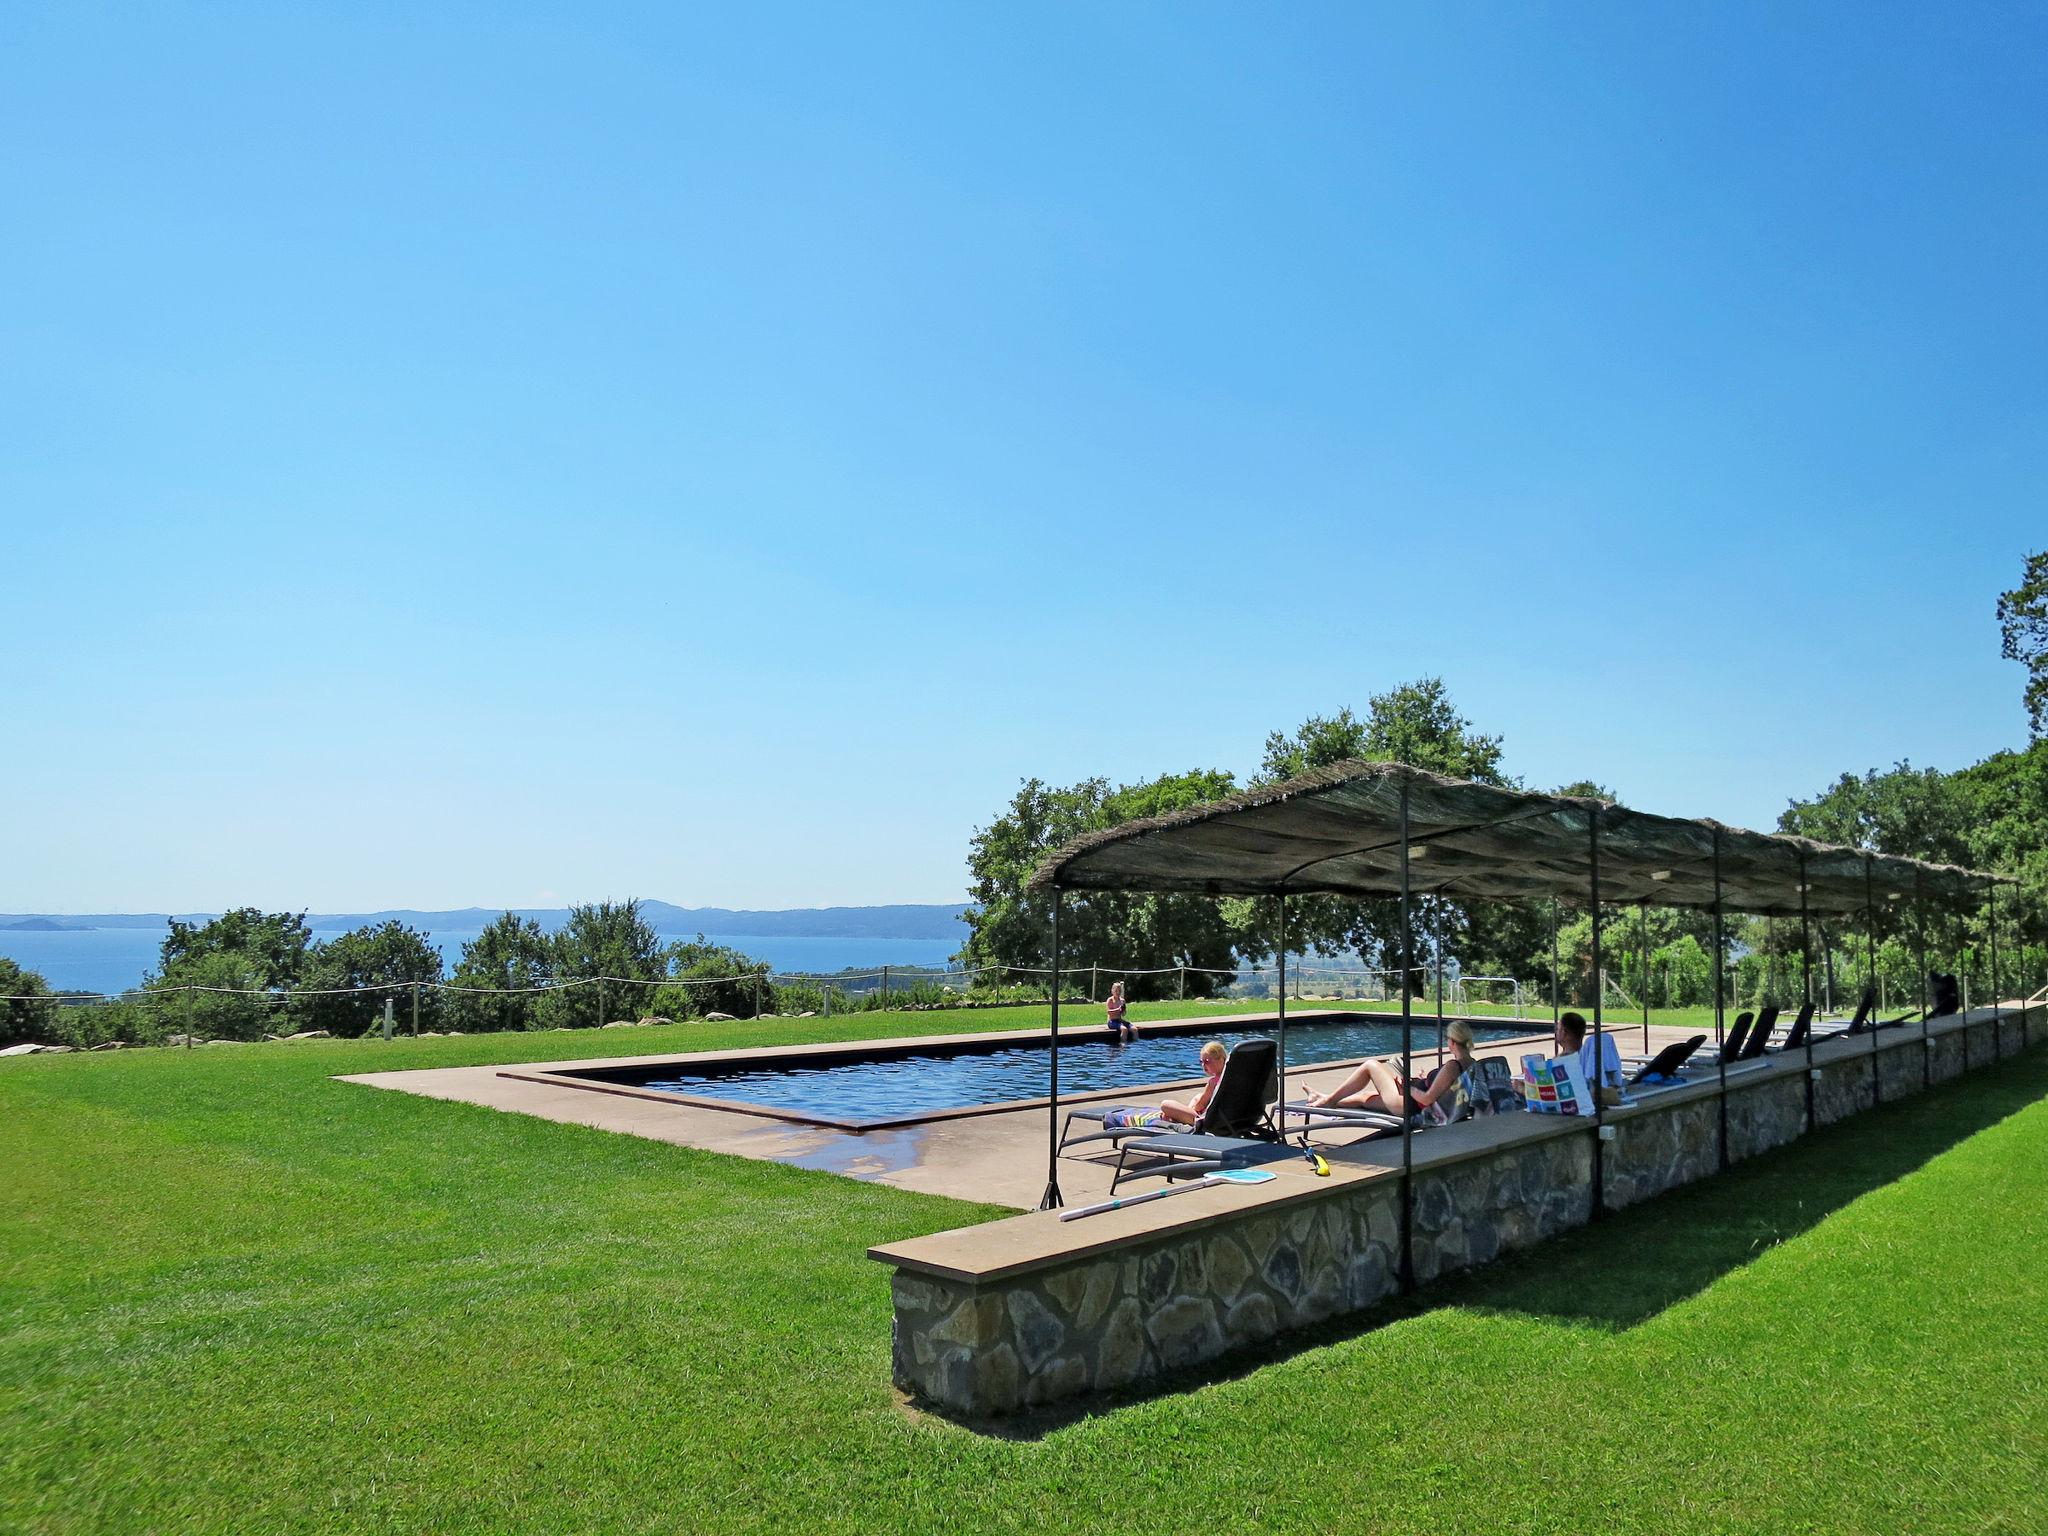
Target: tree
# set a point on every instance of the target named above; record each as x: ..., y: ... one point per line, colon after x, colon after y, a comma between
x: 1416, y: 724
x: 28, y: 1013
x: 383, y: 956
x: 2023, y: 623
x: 273, y: 943
x: 221, y: 994
x: 1013, y: 927
x: 493, y: 981
x: 610, y: 939
x: 722, y: 980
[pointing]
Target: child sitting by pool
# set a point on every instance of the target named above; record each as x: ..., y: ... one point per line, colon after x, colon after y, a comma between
x: 1173, y: 1112
x: 1120, y: 1028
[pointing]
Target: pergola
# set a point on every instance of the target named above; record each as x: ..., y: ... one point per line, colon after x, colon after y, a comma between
x: 1384, y: 830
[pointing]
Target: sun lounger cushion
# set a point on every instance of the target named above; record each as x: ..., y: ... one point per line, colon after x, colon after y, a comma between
x: 1127, y: 1117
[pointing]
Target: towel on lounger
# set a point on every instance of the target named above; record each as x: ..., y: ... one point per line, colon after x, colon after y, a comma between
x: 1124, y: 1118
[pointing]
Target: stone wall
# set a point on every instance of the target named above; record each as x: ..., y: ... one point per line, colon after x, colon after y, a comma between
x: 1654, y: 1152
x: 1104, y: 1319
x: 1769, y: 1113
x: 1145, y: 1310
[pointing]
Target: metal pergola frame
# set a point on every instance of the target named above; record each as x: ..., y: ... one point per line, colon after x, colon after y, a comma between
x: 1356, y: 823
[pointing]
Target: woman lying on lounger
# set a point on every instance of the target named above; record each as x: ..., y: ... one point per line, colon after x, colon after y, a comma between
x: 1376, y: 1085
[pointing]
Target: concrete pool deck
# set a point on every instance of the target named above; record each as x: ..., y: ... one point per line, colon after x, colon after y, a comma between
x: 996, y: 1157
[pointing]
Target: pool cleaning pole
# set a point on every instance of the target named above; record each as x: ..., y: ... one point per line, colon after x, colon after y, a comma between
x: 1051, y: 1200
x: 1407, y: 1275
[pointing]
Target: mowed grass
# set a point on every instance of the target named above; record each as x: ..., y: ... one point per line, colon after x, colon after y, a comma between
x: 237, y: 1295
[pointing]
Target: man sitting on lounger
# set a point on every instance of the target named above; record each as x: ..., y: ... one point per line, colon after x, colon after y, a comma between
x: 1173, y: 1111
x: 1376, y: 1085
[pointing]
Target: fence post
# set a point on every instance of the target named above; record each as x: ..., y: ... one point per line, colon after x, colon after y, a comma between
x: 1094, y: 982
x: 757, y: 994
x: 188, y: 1018
x: 600, y: 1000
x: 1181, y: 979
x: 415, y: 1010
x: 387, y: 1016
x: 885, y: 981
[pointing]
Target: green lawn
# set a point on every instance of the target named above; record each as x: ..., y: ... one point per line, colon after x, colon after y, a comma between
x: 236, y: 1295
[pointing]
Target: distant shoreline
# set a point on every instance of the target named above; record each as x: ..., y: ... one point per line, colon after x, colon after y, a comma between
x: 903, y: 920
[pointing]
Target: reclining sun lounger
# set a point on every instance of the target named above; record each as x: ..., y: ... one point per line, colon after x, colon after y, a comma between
x: 1759, y: 1036
x: 1864, y: 1021
x: 1731, y: 1043
x: 1242, y: 1105
x: 1802, y: 1026
x: 1664, y: 1066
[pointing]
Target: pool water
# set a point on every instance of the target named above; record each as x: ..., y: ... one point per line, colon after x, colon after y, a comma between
x: 961, y: 1077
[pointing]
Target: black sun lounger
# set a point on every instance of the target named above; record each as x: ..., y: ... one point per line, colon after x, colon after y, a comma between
x: 1759, y: 1037
x: 1665, y: 1063
x: 1241, y: 1107
x: 1731, y: 1043
x: 1865, y: 1021
x: 1802, y: 1026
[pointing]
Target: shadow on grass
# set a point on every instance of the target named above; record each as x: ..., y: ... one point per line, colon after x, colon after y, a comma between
x: 1634, y: 1264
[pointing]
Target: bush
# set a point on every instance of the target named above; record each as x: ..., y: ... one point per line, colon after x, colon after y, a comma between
x: 30, y: 1012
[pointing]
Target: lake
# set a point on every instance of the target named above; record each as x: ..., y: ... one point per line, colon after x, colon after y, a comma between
x: 111, y: 959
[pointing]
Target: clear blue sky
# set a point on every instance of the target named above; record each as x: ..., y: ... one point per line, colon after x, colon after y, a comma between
x: 501, y: 454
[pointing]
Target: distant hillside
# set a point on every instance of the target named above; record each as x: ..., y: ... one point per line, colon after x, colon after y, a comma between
x: 42, y: 925
x: 936, y: 921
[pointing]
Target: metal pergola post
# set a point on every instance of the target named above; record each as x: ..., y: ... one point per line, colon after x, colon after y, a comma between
x: 1991, y: 937
x: 1283, y: 1008
x: 1870, y: 949
x: 1407, y: 1276
x: 1720, y: 999
x: 1926, y: 984
x: 1436, y: 923
x: 1806, y: 981
x: 1599, y: 1028
x: 1554, y: 963
x: 1051, y: 1200
x: 1643, y: 954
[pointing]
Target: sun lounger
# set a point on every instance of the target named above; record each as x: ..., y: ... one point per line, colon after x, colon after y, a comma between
x: 1732, y: 1042
x: 1666, y: 1063
x: 1759, y: 1036
x: 1242, y: 1105
x: 1802, y: 1026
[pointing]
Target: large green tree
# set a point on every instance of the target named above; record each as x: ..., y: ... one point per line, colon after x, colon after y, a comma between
x: 1011, y: 926
x: 495, y: 980
x: 388, y: 957
x: 2023, y: 623
x: 603, y: 939
x: 1417, y: 724
x: 273, y: 944
x: 27, y: 1011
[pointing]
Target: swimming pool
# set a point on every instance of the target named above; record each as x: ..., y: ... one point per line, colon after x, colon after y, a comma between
x: 868, y: 1087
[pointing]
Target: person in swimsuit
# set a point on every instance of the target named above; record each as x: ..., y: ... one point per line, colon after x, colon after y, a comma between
x: 1173, y: 1111
x: 1377, y: 1085
x: 1119, y: 1025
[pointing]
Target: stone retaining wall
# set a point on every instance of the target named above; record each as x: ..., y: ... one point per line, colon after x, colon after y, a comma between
x: 1103, y: 1319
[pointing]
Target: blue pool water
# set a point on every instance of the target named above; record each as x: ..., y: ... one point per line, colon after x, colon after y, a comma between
x: 891, y: 1088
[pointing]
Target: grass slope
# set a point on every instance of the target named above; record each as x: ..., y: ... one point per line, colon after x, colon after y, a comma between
x: 236, y: 1295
